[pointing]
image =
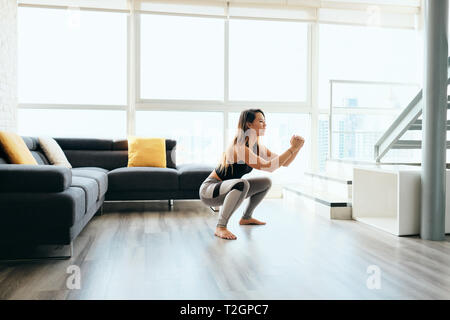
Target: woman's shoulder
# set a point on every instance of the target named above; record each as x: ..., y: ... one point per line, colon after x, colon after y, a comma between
x: 236, y: 154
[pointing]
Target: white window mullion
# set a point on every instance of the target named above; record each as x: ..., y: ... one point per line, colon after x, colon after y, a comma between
x: 137, y: 55
x: 226, y: 76
x: 132, y: 69
x: 226, y: 60
x: 313, y: 66
x: 225, y: 129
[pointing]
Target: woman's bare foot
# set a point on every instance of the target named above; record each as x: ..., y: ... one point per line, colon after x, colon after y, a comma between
x: 223, y: 233
x: 250, y: 221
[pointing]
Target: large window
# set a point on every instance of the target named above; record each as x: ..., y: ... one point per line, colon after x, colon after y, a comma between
x: 182, y: 58
x: 196, y: 66
x: 268, y: 60
x: 61, y: 123
x: 72, y: 57
x: 199, y: 135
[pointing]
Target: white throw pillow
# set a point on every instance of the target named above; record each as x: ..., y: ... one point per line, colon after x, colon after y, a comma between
x: 53, y: 152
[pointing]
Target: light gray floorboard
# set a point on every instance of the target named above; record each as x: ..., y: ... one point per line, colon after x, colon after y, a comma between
x: 147, y: 251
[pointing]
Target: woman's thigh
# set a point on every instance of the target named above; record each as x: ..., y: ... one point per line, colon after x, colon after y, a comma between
x: 213, y: 194
x: 258, y: 184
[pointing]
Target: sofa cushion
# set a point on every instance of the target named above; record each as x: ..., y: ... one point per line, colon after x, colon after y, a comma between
x: 92, y: 169
x: 15, y: 148
x: 97, y: 174
x: 90, y: 188
x: 143, y: 179
x: 146, y: 152
x: 53, y: 152
x: 191, y: 176
x: 122, y: 145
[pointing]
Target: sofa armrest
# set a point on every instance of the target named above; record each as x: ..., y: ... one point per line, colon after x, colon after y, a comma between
x: 194, y: 167
x: 31, y: 178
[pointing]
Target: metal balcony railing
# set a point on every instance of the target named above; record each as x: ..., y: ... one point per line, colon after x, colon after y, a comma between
x: 407, y: 120
x: 364, y: 110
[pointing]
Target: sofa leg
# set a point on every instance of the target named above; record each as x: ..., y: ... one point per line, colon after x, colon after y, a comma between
x: 99, y: 211
x: 215, y: 209
x: 71, y: 244
x: 40, y: 256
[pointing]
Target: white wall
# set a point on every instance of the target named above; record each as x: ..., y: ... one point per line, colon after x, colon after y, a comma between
x: 8, y: 65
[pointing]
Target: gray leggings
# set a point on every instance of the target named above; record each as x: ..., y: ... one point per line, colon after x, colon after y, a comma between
x: 229, y: 194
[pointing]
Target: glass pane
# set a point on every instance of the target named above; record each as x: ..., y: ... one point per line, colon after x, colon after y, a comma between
x: 182, y: 58
x: 354, y: 135
x: 279, y: 130
x: 404, y: 156
x: 356, y: 145
x: 268, y: 60
x: 322, y: 141
x: 361, y: 122
x: 368, y: 54
x: 367, y: 95
x: 108, y: 124
x: 72, y: 56
x: 199, y: 135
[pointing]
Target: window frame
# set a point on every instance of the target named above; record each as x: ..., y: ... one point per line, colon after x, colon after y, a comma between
x: 215, y: 105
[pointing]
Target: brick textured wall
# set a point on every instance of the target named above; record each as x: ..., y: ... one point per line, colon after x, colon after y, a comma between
x: 8, y: 65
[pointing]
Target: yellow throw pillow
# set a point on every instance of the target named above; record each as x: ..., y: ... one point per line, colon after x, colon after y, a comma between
x: 146, y: 152
x: 15, y: 148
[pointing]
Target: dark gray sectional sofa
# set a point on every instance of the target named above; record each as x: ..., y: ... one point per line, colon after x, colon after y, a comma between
x: 50, y: 205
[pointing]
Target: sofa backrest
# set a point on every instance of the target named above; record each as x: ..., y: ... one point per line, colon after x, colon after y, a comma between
x: 103, y: 153
x: 35, y: 148
x: 3, y: 159
x: 85, y: 152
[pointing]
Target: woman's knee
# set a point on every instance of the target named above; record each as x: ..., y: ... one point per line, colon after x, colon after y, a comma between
x: 268, y: 182
x: 246, y: 185
x: 242, y: 185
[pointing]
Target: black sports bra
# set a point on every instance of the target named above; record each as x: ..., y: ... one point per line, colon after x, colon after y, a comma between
x: 235, y: 170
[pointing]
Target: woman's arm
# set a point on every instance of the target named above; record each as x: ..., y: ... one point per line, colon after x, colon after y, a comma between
x: 300, y: 144
x: 271, y: 155
x: 291, y: 158
x: 257, y: 162
x: 266, y: 154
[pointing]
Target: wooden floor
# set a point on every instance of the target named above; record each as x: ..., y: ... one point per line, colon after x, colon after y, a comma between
x: 146, y: 251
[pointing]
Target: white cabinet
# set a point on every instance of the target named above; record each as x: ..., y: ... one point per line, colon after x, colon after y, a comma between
x: 389, y: 198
